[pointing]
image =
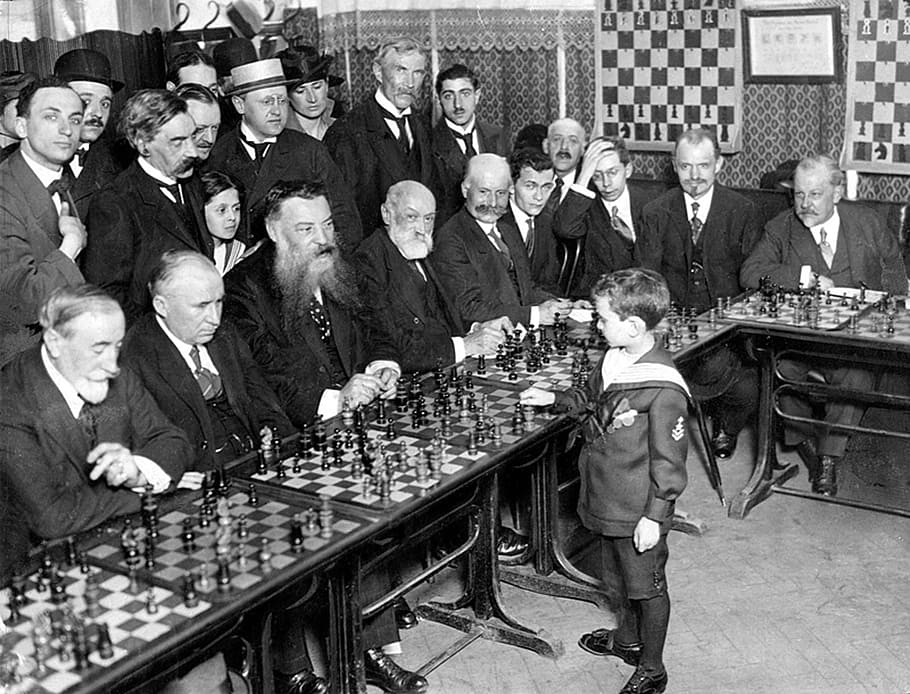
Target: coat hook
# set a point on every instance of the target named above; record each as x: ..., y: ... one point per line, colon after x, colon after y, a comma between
x: 186, y: 17
x: 214, y: 16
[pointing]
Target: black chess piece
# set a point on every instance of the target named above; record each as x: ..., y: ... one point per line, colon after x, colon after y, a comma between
x: 190, y: 597
x: 224, y: 575
x: 80, y: 648
x: 296, y: 534
x: 188, y: 536
x: 252, y: 496
x: 90, y: 595
x: 103, y: 640
x: 70, y: 551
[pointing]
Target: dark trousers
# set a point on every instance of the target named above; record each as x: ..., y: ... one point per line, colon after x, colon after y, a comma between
x: 727, y: 386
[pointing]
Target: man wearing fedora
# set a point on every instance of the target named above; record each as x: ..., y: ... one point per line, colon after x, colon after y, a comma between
x: 11, y: 83
x: 261, y: 151
x: 154, y: 206
x: 383, y: 140
x: 40, y: 237
x: 96, y: 162
x: 312, y: 110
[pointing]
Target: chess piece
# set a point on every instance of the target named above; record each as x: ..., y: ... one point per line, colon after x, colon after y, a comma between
x: 103, y: 640
x: 202, y: 576
x: 151, y: 604
x: 190, y: 598
x: 297, y: 534
x: 83, y: 562
x: 265, y: 555
x: 472, y: 444
x: 242, y: 531
x: 80, y: 648
x: 188, y: 536
x: 224, y: 574
x: 252, y: 496
x: 325, y: 517
x: 90, y: 595
x: 70, y: 551
x: 280, y: 472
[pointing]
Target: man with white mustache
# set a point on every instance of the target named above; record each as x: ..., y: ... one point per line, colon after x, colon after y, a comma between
x: 383, y: 140
x: 485, y: 268
x: 79, y: 438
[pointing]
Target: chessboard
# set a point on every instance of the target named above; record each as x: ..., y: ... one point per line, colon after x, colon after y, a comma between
x: 63, y: 622
x: 888, y: 321
x: 808, y: 310
x: 521, y: 368
x: 878, y: 87
x: 230, y: 537
x: 668, y: 65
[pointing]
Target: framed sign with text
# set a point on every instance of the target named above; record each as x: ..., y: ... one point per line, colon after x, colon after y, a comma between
x: 792, y: 46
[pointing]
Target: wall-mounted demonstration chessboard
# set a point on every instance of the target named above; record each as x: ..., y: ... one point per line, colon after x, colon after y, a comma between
x: 663, y: 66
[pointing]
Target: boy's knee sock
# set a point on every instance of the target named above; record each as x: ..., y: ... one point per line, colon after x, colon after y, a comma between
x: 627, y: 633
x: 655, y: 617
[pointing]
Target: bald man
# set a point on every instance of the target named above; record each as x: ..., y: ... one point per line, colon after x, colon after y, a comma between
x: 198, y: 369
x: 408, y: 301
x: 483, y: 267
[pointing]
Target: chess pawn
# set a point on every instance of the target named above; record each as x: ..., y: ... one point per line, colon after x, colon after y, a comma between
x: 151, y: 604
x: 202, y: 574
x: 188, y: 536
x: 472, y: 444
x: 347, y: 414
x: 264, y: 557
x: 326, y: 518
x: 296, y: 534
x: 242, y: 531
x: 252, y: 496
x: 280, y: 472
x: 190, y: 598
x: 381, y: 414
x: 90, y: 595
x: 497, y: 434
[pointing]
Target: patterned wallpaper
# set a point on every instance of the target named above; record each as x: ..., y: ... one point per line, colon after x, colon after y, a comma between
x: 515, y: 55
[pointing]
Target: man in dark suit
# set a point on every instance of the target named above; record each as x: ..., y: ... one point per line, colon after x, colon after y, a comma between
x: 261, y: 151
x: 11, y: 83
x: 486, y: 269
x: 154, y: 206
x: 296, y: 303
x: 606, y: 218
x: 40, y: 236
x: 78, y: 437
x: 407, y: 301
x: 823, y: 242
x: 459, y: 135
x: 88, y: 72
x: 381, y: 140
x: 222, y: 403
x: 532, y: 185
x: 697, y: 236
x: 565, y: 145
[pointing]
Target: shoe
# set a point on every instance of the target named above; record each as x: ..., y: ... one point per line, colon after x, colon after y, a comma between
x: 601, y: 642
x: 825, y: 482
x: 385, y: 673
x: 510, y: 544
x: 644, y: 682
x: 303, y: 682
x: 404, y: 615
x: 723, y: 444
x: 808, y: 453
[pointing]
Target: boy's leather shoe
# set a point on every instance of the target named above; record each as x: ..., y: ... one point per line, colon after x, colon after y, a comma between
x: 303, y: 682
x: 510, y: 544
x: 724, y: 445
x: 825, y: 482
x: 389, y: 676
x: 602, y: 642
x: 643, y: 682
x: 404, y: 615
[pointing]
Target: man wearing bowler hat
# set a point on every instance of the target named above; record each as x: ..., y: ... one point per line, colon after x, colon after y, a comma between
x: 11, y: 83
x: 96, y: 163
x: 260, y: 151
x: 312, y: 111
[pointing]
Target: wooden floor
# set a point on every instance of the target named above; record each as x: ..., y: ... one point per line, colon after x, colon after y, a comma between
x: 801, y: 597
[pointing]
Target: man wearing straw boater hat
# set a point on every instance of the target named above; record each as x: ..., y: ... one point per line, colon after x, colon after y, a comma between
x: 311, y: 108
x: 96, y: 163
x: 261, y: 152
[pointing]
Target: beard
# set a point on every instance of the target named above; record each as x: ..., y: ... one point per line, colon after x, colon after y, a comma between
x: 297, y: 275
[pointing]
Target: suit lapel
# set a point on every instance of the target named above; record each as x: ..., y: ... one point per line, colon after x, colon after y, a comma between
x: 512, y: 238
x: 39, y: 200
x: 679, y: 222
x: 385, y: 146
x: 232, y: 380
x: 341, y: 333
x: 162, y: 211
x: 449, y: 151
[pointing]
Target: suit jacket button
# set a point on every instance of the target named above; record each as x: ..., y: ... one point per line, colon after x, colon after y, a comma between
x: 416, y: 320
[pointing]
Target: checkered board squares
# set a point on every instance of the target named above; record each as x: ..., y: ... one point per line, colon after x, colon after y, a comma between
x: 833, y: 316
x: 666, y: 66
x: 557, y: 375
x: 878, y: 88
x: 130, y: 625
x: 270, y: 520
x: 874, y: 325
x: 340, y: 482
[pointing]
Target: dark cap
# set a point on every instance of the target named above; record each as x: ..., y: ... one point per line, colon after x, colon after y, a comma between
x: 304, y: 64
x: 231, y: 53
x: 86, y: 65
x: 11, y: 83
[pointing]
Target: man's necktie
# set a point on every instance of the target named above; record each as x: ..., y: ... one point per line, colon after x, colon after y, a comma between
x: 418, y: 271
x: 209, y: 383
x: 469, y: 150
x: 557, y: 190
x: 695, y: 223
x: 825, y: 248
x: 529, y: 242
x: 62, y: 184
x: 259, y: 151
x: 402, y: 122
x: 88, y: 423
x: 174, y: 190
x: 500, y: 244
x: 318, y: 314
x: 620, y: 226
x: 82, y: 155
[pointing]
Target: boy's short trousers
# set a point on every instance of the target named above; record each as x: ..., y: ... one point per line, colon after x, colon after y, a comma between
x: 643, y: 573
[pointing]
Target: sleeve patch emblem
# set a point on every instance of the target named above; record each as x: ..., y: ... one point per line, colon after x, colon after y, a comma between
x: 679, y: 430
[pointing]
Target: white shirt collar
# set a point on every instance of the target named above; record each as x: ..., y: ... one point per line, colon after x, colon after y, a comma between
x: 521, y: 219
x: 704, y: 204
x: 73, y: 400
x: 155, y: 173
x: 184, y: 348
x: 486, y: 227
x: 384, y: 102
x: 44, y: 174
x: 248, y: 134
x: 461, y: 129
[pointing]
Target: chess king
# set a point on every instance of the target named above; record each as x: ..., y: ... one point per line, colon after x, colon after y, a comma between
x: 822, y: 240
x: 79, y: 437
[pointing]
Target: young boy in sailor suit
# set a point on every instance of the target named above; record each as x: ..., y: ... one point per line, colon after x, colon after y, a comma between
x: 633, y: 412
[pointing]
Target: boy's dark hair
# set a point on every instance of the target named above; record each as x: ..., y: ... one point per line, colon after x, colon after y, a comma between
x: 533, y: 158
x: 285, y: 190
x: 635, y: 292
x: 618, y: 145
x: 186, y: 59
x: 28, y: 92
x: 455, y: 72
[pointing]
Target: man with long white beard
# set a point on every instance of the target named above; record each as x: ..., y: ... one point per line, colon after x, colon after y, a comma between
x: 296, y: 302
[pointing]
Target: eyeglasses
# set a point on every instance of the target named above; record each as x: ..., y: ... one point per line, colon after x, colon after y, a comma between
x: 269, y: 101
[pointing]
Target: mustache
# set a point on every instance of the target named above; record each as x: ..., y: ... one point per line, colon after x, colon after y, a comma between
x: 94, y: 122
x: 496, y: 209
